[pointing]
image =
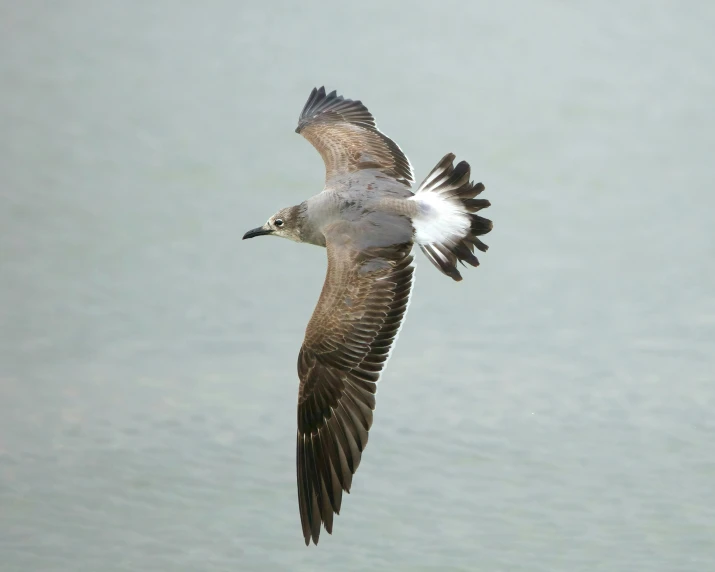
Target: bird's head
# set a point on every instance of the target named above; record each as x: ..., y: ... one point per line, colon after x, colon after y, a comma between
x: 285, y: 223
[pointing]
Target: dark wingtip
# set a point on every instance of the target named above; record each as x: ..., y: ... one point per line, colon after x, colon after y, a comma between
x: 316, y: 97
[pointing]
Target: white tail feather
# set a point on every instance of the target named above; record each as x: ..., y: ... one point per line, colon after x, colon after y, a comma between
x: 446, y: 226
x: 439, y: 220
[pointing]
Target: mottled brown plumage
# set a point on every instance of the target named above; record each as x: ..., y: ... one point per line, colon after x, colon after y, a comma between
x: 344, y: 133
x: 346, y: 344
x: 368, y: 219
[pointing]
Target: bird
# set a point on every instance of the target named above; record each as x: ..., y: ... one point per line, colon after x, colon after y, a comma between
x: 368, y: 219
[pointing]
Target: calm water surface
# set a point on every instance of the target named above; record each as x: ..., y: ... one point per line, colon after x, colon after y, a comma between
x: 554, y: 411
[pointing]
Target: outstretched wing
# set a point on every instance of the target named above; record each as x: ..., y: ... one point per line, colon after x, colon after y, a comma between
x: 344, y: 133
x: 346, y: 345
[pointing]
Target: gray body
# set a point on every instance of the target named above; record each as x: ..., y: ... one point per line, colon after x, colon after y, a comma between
x: 376, y: 206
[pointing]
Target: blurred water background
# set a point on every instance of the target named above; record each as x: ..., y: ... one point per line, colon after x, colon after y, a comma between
x: 552, y: 412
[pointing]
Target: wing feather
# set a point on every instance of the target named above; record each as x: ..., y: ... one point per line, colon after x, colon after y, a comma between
x: 344, y: 133
x: 346, y: 346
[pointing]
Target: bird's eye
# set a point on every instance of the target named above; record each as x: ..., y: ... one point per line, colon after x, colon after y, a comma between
x: 278, y: 222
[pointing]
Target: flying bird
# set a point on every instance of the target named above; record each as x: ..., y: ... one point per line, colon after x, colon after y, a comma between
x: 368, y: 219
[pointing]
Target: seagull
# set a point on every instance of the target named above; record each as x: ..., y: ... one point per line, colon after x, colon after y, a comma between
x: 368, y: 219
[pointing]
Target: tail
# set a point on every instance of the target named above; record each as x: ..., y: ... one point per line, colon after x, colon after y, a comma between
x: 446, y: 227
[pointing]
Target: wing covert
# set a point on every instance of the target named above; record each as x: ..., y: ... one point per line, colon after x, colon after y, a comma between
x: 344, y: 133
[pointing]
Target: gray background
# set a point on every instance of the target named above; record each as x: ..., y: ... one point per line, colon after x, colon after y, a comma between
x: 554, y: 411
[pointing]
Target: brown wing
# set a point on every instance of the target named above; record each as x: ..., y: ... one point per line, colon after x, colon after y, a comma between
x: 344, y: 133
x: 346, y: 345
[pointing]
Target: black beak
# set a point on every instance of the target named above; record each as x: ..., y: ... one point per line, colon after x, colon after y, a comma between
x: 257, y: 232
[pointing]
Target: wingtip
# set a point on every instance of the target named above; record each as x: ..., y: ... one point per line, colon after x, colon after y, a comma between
x: 317, y: 95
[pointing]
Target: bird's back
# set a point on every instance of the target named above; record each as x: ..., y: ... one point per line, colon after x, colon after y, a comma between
x: 375, y: 205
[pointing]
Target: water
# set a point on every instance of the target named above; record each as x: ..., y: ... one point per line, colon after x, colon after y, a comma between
x: 554, y: 411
